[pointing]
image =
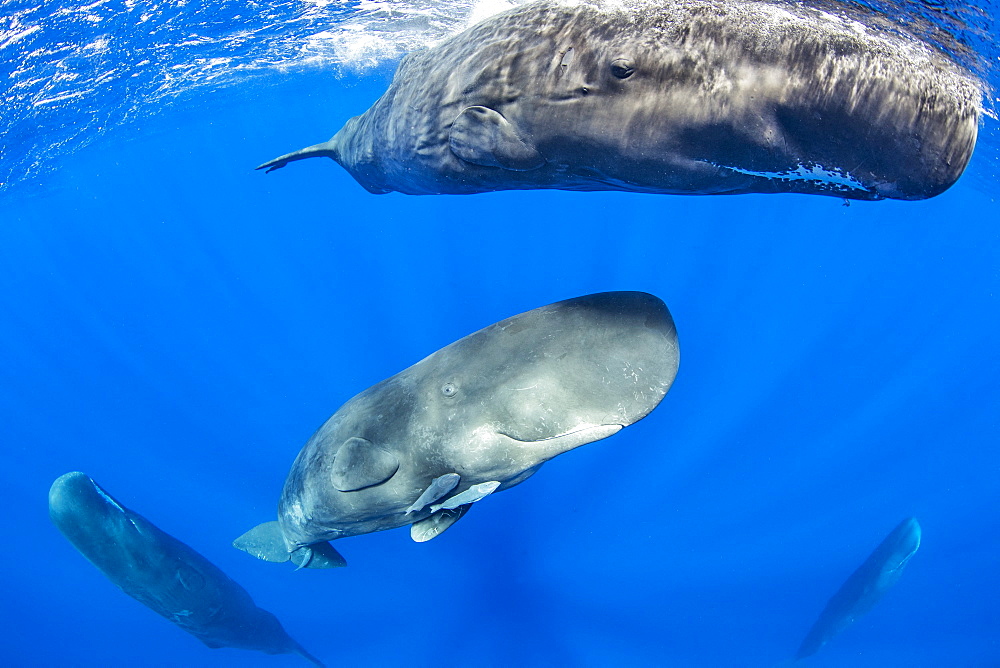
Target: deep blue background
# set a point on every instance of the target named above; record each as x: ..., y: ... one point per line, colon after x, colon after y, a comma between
x: 176, y: 325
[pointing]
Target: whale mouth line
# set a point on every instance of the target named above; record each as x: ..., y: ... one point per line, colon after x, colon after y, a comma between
x: 572, y: 432
x: 107, y: 498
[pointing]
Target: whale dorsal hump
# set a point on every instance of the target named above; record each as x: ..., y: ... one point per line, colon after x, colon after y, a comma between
x: 482, y: 136
x: 359, y: 463
x: 435, y: 525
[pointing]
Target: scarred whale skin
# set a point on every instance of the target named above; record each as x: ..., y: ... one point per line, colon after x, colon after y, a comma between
x: 161, y: 572
x: 491, y: 408
x: 865, y: 587
x: 705, y: 97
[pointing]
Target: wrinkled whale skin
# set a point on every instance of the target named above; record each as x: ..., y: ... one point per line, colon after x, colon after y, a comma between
x: 718, y: 97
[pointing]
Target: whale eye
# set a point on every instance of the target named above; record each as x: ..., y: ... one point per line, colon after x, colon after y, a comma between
x: 449, y: 389
x: 622, y: 68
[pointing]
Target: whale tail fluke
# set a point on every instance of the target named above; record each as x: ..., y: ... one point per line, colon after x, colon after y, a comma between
x: 266, y: 542
x: 325, y: 150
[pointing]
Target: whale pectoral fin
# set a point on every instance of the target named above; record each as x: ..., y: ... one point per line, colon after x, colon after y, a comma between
x: 436, y: 524
x: 482, y: 136
x: 265, y: 542
x: 317, y: 555
x: 359, y: 463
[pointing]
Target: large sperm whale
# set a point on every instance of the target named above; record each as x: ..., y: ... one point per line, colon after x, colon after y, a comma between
x: 477, y: 417
x: 161, y: 572
x: 667, y: 96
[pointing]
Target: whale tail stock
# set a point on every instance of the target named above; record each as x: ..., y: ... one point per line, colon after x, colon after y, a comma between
x: 301, y: 651
x: 266, y: 542
x: 325, y: 150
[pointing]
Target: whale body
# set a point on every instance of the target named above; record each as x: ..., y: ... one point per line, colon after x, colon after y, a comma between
x: 863, y: 589
x: 704, y: 97
x: 161, y: 572
x: 477, y: 417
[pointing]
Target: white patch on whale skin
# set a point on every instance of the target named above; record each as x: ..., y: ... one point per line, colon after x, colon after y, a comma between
x: 295, y: 513
x: 114, y: 503
x: 815, y: 173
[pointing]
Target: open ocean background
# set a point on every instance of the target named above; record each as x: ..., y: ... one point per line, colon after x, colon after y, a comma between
x: 176, y: 326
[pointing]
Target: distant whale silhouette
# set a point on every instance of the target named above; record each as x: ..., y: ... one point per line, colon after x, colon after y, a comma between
x: 709, y: 97
x: 865, y: 587
x: 476, y: 417
x: 161, y: 572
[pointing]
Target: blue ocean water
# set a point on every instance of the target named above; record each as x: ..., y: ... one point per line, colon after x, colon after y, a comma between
x: 176, y: 325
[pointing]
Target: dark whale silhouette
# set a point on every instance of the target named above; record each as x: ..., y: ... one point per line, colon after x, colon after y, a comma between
x: 478, y: 416
x: 161, y: 572
x: 705, y: 97
x: 865, y: 587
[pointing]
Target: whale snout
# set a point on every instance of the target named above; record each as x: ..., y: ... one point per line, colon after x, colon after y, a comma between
x: 67, y: 491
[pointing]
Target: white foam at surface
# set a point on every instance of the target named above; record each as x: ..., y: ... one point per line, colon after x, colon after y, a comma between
x: 484, y: 9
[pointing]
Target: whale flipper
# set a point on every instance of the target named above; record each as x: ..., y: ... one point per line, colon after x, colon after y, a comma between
x: 435, y: 525
x: 484, y: 137
x: 360, y: 463
x: 266, y: 543
x: 438, y: 488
